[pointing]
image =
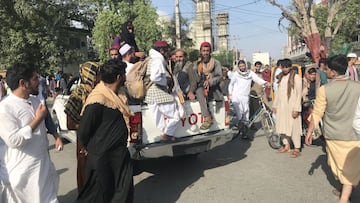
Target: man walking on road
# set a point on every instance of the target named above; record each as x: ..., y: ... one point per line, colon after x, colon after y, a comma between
x: 336, y: 102
x: 26, y: 169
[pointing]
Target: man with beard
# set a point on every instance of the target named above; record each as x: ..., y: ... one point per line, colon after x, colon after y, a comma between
x: 27, y: 172
x: 103, y: 131
x: 159, y: 96
x: 239, y: 90
x: 204, y: 82
x: 335, y: 103
x: 180, y: 71
x: 128, y: 56
x: 287, y: 107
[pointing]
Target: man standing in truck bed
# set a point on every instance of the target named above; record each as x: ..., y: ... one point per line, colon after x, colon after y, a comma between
x: 159, y: 97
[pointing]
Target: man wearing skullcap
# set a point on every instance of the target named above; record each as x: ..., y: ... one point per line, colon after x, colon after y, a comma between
x: 204, y: 82
x: 352, y: 71
x: 160, y: 97
x: 128, y: 54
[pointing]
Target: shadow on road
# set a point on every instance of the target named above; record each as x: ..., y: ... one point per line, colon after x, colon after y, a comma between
x: 69, y: 197
x: 171, y: 176
x: 321, y: 161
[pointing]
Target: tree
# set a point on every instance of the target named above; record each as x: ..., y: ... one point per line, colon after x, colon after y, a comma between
x: 302, y: 16
x: 169, y: 32
x: 225, y: 57
x: 347, y: 34
x: 37, y: 32
x: 109, y: 21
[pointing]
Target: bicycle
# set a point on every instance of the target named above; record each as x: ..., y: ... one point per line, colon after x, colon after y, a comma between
x: 263, y: 114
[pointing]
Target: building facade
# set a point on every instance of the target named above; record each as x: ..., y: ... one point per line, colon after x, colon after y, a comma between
x: 201, y: 29
x: 263, y: 57
x: 222, y: 20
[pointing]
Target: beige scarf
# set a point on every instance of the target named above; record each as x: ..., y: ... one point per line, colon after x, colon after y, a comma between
x: 206, y: 68
x: 105, y: 96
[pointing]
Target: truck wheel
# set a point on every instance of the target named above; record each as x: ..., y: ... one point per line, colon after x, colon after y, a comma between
x: 275, y: 141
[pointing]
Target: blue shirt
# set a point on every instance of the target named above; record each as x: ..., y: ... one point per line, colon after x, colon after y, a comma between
x: 323, y: 77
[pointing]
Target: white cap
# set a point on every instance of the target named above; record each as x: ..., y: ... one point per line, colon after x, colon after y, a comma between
x: 351, y: 55
x: 125, y: 48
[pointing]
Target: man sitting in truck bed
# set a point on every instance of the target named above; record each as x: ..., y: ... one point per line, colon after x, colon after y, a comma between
x: 180, y: 72
x: 204, y: 82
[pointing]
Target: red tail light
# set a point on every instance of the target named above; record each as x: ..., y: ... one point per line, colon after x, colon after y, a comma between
x: 227, y: 110
x: 135, y: 127
x: 227, y: 106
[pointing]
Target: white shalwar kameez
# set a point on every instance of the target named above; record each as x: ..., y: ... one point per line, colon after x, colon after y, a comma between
x: 239, y: 89
x: 165, y: 107
x: 26, y: 170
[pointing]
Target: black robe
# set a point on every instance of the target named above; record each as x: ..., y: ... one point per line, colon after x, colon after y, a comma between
x: 109, y: 171
x: 128, y: 37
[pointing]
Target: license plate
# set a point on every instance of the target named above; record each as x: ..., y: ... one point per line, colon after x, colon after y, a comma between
x: 194, y: 148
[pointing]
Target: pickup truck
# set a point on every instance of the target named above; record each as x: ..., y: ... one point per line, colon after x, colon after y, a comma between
x: 191, y: 139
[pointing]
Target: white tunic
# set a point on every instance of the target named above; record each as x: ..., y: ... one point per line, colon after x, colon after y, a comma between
x: 239, y: 88
x: 163, y: 105
x: 26, y: 170
x: 129, y: 66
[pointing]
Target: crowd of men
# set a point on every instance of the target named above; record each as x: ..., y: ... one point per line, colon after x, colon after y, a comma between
x: 98, y: 109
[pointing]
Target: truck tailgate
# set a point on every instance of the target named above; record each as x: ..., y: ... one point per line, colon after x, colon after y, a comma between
x: 188, y: 126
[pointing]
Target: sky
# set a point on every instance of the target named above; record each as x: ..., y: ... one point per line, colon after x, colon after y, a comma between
x: 253, y: 24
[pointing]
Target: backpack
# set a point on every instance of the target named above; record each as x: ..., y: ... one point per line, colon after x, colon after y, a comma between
x: 138, y: 79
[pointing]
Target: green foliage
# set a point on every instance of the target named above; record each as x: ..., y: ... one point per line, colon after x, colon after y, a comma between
x: 144, y: 16
x: 348, y: 16
x: 109, y: 21
x: 225, y: 57
x: 248, y: 65
x: 107, y: 26
x: 41, y: 32
x: 349, y: 26
x: 37, y: 33
x: 169, y: 32
x: 193, y: 54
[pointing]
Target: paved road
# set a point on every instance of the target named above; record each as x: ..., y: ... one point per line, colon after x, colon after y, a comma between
x: 240, y: 171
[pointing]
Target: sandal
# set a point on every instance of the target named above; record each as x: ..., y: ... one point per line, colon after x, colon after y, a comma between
x: 206, y: 124
x: 283, y: 150
x: 295, y: 154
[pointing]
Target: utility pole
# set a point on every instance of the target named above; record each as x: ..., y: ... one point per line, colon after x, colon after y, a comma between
x: 177, y: 24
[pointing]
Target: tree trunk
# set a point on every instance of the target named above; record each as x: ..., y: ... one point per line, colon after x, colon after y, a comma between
x: 313, y: 42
